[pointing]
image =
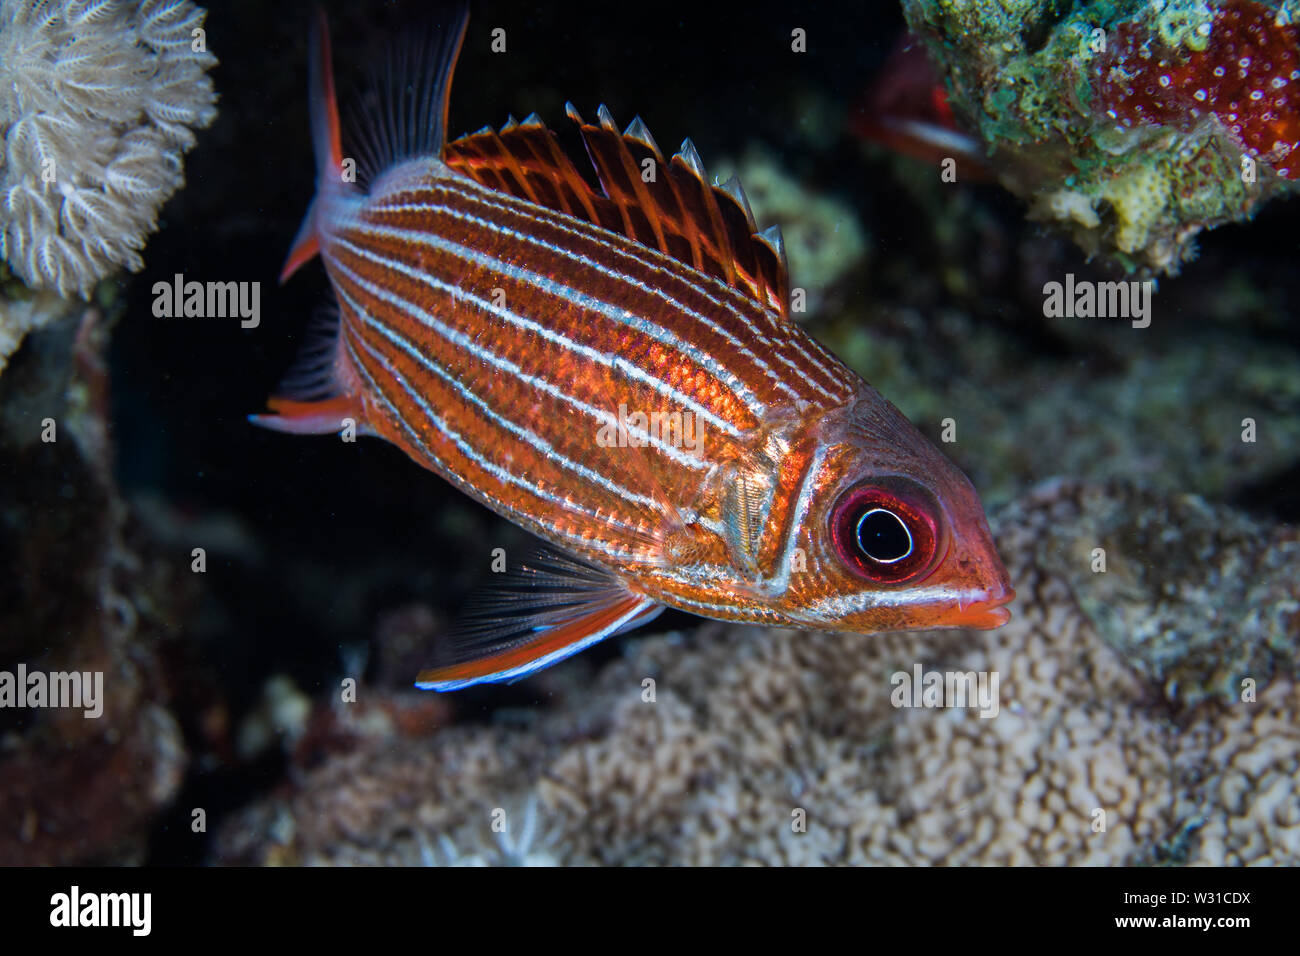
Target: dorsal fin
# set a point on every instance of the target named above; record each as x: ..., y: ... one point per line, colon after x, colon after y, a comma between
x: 708, y: 227
x: 527, y: 161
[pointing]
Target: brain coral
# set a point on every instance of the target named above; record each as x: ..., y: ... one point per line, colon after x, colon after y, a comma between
x: 98, y: 100
x: 765, y: 746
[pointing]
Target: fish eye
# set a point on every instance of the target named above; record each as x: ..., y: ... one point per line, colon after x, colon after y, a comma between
x: 883, y: 537
x: 888, y: 532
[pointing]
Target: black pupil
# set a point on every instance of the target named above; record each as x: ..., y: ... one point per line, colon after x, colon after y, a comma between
x: 883, y: 537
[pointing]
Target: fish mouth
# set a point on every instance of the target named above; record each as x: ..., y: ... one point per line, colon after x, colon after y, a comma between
x: 986, y: 611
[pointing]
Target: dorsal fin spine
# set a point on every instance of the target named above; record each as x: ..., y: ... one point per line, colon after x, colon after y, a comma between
x: 693, y: 237
x: 561, y: 160
x: 644, y: 200
x: 733, y: 188
x: 727, y: 253
x: 772, y: 238
x: 602, y: 114
x: 513, y: 164
x: 709, y: 227
x: 691, y: 157
x: 638, y: 131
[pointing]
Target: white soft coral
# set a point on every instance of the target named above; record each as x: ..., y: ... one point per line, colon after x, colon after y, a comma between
x: 98, y: 103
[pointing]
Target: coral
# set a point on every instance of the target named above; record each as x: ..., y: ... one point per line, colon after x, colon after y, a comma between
x: 1139, y: 196
x: 750, y: 734
x: 307, y: 731
x: 989, y: 21
x: 1256, y: 749
x: 98, y: 102
x: 446, y: 787
x: 1173, y: 565
x: 1133, y: 126
x: 282, y: 714
x: 1180, y: 23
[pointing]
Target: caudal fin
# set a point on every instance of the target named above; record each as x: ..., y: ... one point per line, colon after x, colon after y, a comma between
x: 406, y: 117
x: 326, y: 140
x: 310, y: 399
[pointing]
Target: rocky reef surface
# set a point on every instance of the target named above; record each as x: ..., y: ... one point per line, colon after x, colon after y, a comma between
x: 86, y: 591
x: 1144, y: 718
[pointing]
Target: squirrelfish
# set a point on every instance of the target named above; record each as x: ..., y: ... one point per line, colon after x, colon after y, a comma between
x: 615, y: 369
x: 906, y: 109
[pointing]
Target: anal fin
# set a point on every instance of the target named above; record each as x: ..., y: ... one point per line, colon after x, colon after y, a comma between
x: 550, y: 608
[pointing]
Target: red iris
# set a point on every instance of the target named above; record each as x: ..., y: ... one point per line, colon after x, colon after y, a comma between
x: 887, y: 532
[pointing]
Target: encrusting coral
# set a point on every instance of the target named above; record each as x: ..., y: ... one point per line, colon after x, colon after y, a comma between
x: 98, y: 103
x: 1133, y: 125
x: 764, y: 746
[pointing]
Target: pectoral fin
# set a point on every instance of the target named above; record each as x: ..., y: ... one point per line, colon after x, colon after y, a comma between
x: 550, y: 608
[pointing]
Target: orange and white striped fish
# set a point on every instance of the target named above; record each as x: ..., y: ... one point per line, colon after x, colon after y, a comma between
x: 614, y: 368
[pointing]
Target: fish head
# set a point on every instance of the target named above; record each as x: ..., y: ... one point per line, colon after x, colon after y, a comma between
x: 895, y: 534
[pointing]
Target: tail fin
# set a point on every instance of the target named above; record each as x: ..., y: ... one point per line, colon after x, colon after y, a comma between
x: 407, y: 117
x: 325, y: 137
x: 409, y: 97
x: 407, y: 114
